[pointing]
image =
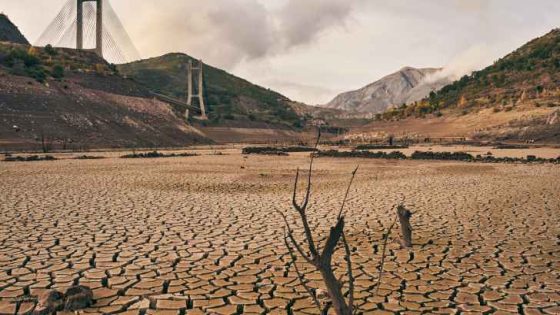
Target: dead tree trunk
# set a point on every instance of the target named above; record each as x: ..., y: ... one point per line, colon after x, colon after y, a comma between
x: 322, y: 260
x: 406, y: 229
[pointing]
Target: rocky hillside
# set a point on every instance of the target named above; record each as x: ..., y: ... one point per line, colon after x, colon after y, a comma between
x: 404, y: 86
x: 525, y: 79
x: 231, y: 101
x: 9, y: 32
x: 75, y: 100
x: 530, y: 72
x: 515, y: 99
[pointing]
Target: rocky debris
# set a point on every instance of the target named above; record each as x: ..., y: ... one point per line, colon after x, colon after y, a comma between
x: 32, y: 158
x: 395, y: 155
x: 49, y: 302
x: 274, y: 150
x: 528, y: 159
x: 436, y: 156
x: 446, y: 156
x: 155, y: 154
x: 78, y: 297
x: 277, y: 153
x: 553, y: 118
x: 89, y: 157
x: 507, y: 146
x: 381, y: 147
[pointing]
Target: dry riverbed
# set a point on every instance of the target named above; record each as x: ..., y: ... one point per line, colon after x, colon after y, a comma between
x: 199, y: 235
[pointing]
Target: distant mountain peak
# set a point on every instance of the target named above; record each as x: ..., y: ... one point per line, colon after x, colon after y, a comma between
x: 404, y: 86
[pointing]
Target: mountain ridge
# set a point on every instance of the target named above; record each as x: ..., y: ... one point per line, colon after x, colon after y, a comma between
x: 9, y: 32
x: 229, y: 99
x: 515, y: 99
x: 404, y: 86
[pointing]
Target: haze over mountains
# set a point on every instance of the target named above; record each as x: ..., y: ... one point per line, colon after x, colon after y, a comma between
x: 402, y: 87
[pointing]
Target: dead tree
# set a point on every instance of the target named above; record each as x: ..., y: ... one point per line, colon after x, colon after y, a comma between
x: 322, y: 260
x: 406, y: 229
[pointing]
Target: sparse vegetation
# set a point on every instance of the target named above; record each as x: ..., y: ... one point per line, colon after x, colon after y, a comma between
x: 530, y: 71
x: 40, y: 63
x: 228, y: 98
x: 58, y: 72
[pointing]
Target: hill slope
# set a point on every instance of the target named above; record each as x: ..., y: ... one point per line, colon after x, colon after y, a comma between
x: 74, y: 99
x: 517, y: 99
x: 530, y: 72
x: 231, y: 100
x: 404, y: 86
x: 9, y: 32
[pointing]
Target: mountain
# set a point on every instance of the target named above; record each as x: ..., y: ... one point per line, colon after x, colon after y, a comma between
x: 76, y: 100
x: 9, y: 32
x: 515, y: 99
x: 231, y: 101
x: 404, y: 86
x: 530, y: 72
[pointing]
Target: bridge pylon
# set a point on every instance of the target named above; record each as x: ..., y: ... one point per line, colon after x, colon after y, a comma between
x: 98, y: 26
x: 199, y: 92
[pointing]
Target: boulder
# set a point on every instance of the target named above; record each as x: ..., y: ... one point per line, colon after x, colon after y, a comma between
x: 49, y: 302
x: 78, y: 297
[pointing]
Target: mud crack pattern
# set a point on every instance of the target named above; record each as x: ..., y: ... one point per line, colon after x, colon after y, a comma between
x: 201, y: 235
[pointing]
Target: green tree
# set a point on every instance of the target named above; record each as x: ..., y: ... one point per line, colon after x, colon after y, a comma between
x: 49, y: 49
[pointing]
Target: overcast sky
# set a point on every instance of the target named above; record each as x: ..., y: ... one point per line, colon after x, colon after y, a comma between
x: 311, y: 50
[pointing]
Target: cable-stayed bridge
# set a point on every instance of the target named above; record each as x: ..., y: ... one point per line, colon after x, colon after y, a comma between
x: 91, y: 25
x: 94, y: 25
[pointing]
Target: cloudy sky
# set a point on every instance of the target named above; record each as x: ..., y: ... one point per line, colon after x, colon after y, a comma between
x: 310, y: 50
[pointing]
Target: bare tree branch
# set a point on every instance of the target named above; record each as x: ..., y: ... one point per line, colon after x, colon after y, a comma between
x: 348, y: 258
x: 347, y: 191
x: 301, y: 251
x: 301, y: 210
x: 300, y: 275
x: 330, y: 247
x: 322, y: 260
x: 382, y: 263
x: 292, y: 239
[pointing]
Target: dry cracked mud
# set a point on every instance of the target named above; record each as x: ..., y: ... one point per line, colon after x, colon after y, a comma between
x: 200, y: 235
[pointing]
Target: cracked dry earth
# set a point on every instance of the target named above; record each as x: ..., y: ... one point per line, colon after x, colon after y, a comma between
x: 200, y: 235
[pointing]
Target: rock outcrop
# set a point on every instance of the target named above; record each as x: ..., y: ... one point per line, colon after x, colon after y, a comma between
x: 9, y: 32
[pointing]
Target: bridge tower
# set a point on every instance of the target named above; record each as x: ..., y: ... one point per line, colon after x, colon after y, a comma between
x: 98, y: 26
x: 200, y: 91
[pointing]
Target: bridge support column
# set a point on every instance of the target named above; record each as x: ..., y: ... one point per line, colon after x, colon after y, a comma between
x: 80, y: 26
x: 98, y: 26
x: 200, y: 92
x: 99, y: 29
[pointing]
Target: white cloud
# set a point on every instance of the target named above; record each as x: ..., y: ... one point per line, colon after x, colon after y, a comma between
x: 335, y: 45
